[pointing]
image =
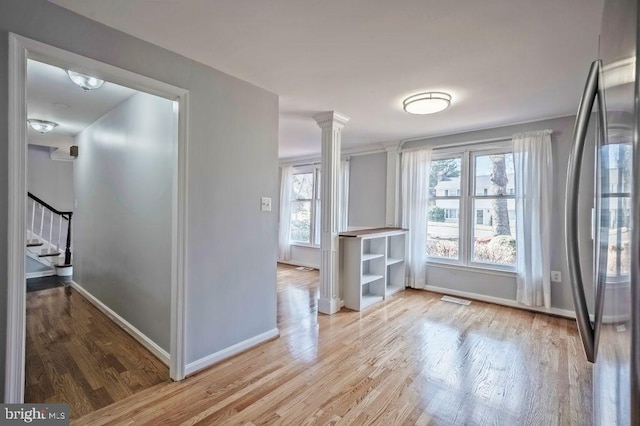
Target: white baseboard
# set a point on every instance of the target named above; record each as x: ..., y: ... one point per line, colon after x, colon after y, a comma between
x: 214, y: 358
x: 156, y: 350
x: 40, y: 274
x: 500, y: 301
x: 306, y: 265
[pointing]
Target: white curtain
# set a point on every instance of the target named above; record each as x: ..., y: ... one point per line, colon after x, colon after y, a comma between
x: 534, y: 183
x: 415, y: 196
x: 343, y: 220
x: 284, y: 230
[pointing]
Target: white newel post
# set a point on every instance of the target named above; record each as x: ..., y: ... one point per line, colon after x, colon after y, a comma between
x: 331, y: 124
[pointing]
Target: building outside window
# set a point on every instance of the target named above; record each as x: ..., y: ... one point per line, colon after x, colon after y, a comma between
x: 305, y: 206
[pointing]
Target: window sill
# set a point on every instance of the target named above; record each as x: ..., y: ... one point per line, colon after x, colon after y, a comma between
x: 474, y: 268
x: 305, y: 245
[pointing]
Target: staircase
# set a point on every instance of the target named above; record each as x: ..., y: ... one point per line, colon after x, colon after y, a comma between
x: 48, y: 239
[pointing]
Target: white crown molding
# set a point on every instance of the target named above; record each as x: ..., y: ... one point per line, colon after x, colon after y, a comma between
x: 369, y: 149
x: 331, y: 118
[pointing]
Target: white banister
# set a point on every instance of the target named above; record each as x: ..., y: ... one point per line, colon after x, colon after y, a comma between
x: 41, y: 221
x: 50, y: 231
x: 33, y: 216
x: 59, y: 231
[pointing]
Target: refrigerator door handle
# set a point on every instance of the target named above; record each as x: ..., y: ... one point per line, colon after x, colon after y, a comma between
x: 585, y: 328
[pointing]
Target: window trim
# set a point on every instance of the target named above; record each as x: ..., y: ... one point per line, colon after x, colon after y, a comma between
x: 466, y: 222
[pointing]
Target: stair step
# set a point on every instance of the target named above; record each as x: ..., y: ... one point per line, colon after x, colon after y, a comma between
x: 49, y: 254
x: 34, y: 244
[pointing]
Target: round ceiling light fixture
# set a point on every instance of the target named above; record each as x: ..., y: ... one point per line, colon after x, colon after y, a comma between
x: 42, y: 126
x: 85, y: 81
x: 427, y: 103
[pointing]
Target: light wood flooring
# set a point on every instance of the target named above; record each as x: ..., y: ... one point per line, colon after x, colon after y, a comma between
x: 75, y: 354
x: 411, y: 360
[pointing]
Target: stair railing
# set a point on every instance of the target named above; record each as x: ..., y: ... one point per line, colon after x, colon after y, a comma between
x: 61, y: 216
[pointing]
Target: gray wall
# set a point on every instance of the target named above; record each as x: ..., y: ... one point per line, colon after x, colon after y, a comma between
x: 233, y: 161
x: 122, y: 231
x: 505, y: 286
x: 367, y: 190
x: 50, y: 180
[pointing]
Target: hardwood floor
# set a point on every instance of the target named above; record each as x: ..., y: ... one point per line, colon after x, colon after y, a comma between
x: 413, y: 359
x: 75, y: 354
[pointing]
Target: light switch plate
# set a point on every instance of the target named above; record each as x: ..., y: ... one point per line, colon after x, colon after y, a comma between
x: 265, y: 204
x: 556, y: 276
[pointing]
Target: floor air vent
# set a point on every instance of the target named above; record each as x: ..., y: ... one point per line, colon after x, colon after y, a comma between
x: 455, y: 300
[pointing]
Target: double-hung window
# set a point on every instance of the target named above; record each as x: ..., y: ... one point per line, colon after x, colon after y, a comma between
x: 472, y: 208
x: 305, y: 206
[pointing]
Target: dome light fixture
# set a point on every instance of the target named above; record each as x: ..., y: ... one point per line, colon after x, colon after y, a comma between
x: 85, y: 81
x: 42, y: 126
x: 427, y: 103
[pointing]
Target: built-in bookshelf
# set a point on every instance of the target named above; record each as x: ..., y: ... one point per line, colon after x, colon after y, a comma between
x: 372, y: 265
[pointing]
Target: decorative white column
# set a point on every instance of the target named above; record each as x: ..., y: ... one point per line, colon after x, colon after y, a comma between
x: 331, y: 124
x: 393, y: 180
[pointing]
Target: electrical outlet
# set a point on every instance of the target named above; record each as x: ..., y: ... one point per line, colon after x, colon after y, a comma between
x: 556, y: 276
x: 265, y: 204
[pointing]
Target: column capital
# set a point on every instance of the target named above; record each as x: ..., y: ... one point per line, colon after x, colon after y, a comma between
x: 331, y: 119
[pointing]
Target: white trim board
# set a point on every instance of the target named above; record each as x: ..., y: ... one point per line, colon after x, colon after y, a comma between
x: 295, y: 263
x: 216, y: 357
x: 20, y: 49
x: 41, y: 274
x: 149, y: 344
x: 500, y: 301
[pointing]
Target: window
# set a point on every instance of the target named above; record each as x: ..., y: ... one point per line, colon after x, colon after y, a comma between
x: 616, y: 200
x: 305, y: 206
x: 476, y: 226
x: 443, y: 227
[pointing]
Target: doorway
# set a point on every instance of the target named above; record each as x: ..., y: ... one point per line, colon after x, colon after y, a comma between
x: 21, y: 51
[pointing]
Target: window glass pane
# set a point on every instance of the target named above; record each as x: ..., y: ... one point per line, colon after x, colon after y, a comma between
x: 494, y: 174
x: 443, y: 228
x: 619, y: 250
x: 301, y: 221
x: 302, y: 188
x: 444, y: 179
x: 494, y: 231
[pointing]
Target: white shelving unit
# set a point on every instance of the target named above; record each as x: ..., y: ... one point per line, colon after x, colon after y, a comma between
x: 372, y: 265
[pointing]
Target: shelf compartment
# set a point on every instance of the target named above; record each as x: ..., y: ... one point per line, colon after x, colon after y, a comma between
x: 369, y: 299
x: 369, y: 278
x: 370, y: 256
x: 393, y: 261
x: 392, y: 289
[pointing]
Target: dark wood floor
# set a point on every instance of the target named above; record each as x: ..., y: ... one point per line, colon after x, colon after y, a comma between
x: 414, y: 359
x: 75, y: 354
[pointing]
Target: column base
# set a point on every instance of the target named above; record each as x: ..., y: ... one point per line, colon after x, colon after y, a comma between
x: 328, y: 306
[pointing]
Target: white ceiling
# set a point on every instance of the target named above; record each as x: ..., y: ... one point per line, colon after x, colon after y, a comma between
x: 503, y: 61
x: 52, y: 96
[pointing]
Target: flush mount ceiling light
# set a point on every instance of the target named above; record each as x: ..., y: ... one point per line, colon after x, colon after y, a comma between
x: 85, y: 81
x: 42, y: 126
x: 427, y: 103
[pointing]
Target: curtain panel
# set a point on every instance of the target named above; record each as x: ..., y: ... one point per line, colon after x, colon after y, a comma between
x: 534, y: 182
x: 415, y: 168
x: 284, y: 228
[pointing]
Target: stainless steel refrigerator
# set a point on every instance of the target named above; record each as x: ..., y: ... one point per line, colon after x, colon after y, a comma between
x: 611, y: 335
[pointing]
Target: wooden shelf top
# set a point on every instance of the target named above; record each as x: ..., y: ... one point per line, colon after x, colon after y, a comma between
x: 372, y: 232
